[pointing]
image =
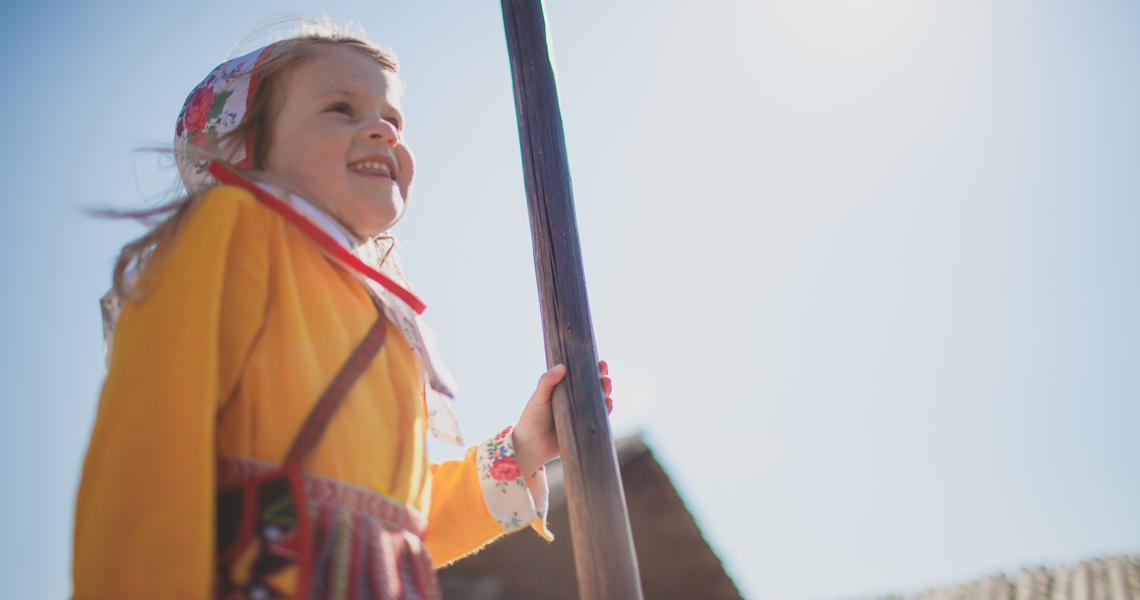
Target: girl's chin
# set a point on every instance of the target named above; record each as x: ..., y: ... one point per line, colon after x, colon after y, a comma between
x: 374, y: 218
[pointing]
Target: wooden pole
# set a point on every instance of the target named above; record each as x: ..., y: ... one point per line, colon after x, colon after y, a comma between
x: 603, y: 545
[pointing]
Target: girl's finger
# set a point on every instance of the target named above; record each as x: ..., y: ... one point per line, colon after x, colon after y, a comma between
x: 607, y: 385
x: 603, y: 367
x: 609, y: 404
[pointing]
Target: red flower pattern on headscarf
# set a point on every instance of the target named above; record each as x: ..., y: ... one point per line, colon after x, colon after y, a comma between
x: 199, y: 127
x: 198, y: 108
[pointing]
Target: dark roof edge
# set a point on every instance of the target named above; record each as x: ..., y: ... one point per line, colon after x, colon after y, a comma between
x: 628, y: 448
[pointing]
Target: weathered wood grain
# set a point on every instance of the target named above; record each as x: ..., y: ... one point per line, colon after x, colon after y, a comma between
x: 1117, y: 578
x: 1132, y: 576
x: 1082, y: 584
x: 1000, y: 588
x: 1098, y: 580
x: 603, y: 545
x: 1062, y: 584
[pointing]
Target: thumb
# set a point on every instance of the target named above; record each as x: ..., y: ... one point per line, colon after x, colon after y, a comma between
x: 550, y: 379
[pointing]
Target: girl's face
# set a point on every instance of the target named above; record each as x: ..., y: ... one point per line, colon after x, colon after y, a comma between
x: 337, y: 139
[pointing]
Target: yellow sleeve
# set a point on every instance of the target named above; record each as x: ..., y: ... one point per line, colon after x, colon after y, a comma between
x: 483, y: 496
x: 459, y: 522
x: 144, y: 523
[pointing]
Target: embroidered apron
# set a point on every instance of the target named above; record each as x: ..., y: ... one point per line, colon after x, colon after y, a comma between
x: 288, y: 535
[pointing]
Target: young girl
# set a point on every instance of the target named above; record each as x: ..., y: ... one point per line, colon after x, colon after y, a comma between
x: 261, y: 431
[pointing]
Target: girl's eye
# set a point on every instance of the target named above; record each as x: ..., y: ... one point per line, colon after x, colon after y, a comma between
x: 342, y: 108
x: 396, y: 123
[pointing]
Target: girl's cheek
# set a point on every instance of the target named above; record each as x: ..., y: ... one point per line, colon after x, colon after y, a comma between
x: 407, y: 163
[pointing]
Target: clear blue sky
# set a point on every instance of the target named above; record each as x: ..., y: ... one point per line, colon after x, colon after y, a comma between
x: 868, y: 272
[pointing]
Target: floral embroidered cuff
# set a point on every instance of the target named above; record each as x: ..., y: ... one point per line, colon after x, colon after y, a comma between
x: 512, y: 500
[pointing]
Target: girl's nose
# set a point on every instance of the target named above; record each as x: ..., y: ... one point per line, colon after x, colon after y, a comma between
x: 383, y: 131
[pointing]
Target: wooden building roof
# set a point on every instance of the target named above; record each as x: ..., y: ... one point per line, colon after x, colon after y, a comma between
x: 1115, y: 578
x: 677, y: 563
x: 674, y: 559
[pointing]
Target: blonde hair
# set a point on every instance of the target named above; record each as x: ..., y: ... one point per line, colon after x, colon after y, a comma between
x: 166, y: 220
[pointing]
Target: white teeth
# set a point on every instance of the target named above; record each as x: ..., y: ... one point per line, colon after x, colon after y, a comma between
x: 377, y: 167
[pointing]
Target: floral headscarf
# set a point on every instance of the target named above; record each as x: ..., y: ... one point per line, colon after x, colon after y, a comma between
x: 214, y: 108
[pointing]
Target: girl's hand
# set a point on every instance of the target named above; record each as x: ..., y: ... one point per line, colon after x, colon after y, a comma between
x: 536, y: 443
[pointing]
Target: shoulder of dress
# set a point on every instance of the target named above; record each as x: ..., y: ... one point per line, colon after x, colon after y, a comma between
x: 240, y: 205
x: 231, y: 195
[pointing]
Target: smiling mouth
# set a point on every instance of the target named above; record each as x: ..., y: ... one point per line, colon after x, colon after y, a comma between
x: 374, y: 168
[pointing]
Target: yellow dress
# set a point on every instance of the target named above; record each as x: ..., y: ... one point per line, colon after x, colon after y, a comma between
x: 243, y: 323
